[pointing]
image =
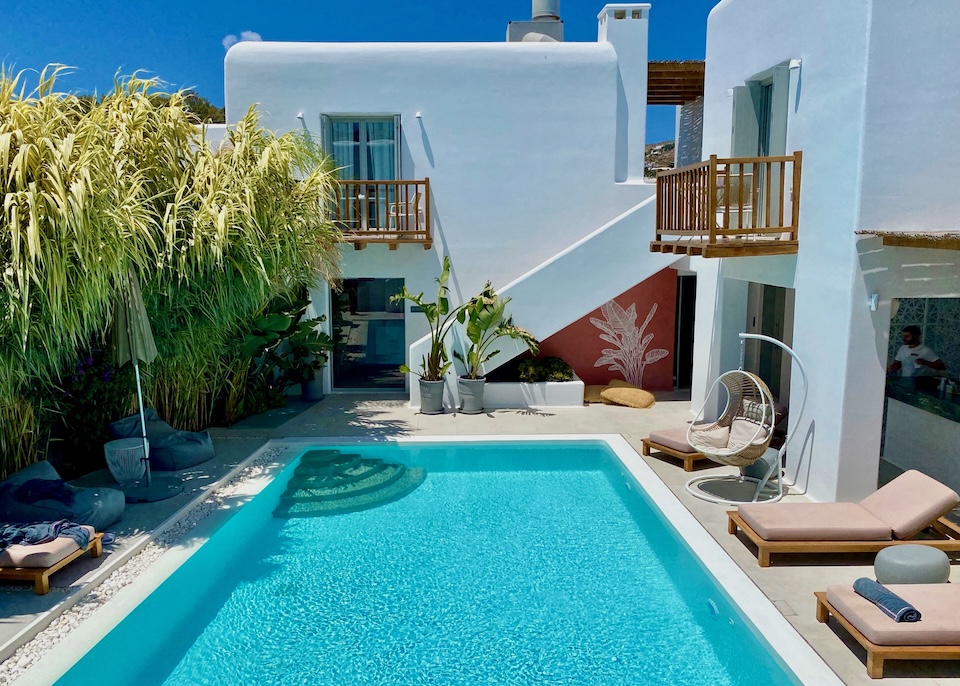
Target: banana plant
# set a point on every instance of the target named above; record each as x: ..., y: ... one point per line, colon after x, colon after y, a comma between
x: 485, y: 320
x: 440, y: 318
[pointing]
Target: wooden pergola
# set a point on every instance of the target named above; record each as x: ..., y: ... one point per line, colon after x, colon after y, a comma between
x: 674, y: 82
x: 937, y: 240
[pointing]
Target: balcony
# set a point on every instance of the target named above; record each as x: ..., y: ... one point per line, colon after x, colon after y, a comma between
x: 733, y: 207
x: 385, y: 212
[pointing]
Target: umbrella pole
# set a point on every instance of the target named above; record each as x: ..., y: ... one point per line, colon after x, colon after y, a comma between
x: 143, y: 422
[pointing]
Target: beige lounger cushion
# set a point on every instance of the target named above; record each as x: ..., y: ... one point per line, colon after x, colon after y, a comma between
x: 42, y: 555
x: 814, y: 522
x: 910, y: 502
x: 939, y: 606
x: 675, y: 439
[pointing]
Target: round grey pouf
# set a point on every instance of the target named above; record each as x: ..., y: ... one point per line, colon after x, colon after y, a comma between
x: 911, y: 564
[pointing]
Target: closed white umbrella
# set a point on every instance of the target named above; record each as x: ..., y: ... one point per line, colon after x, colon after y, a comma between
x: 133, y: 342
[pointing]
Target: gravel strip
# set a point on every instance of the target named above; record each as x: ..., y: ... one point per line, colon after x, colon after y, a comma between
x: 28, y: 654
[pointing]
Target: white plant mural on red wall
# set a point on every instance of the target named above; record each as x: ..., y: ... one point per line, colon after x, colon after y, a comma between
x: 619, y: 327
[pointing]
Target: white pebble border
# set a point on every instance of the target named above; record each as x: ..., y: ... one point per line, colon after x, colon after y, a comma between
x: 29, y: 653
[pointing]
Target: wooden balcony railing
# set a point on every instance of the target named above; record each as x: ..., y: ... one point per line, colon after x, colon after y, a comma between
x: 730, y: 207
x: 390, y: 212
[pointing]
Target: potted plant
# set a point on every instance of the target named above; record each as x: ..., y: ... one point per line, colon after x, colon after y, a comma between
x: 307, y: 357
x: 434, y: 364
x: 485, y: 320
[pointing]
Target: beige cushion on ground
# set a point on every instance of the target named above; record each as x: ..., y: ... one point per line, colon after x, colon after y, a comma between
x: 910, y: 502
x: 939, y: 606
x: 620, y: 383
x: 814, y: 522
x: 615, y: 383
x: 742, y: 431
x: 631, y: 397
x: 591, y: 393
x: 676, y: 439
x: 42, y: 555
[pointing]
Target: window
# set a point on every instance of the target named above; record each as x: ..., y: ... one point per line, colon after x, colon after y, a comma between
x: 363, y: 148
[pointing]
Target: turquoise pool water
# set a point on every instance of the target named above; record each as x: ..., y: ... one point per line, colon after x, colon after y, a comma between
x: 513, y: 563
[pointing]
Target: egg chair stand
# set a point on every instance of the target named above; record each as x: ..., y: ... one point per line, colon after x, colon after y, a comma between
x: 746, y: 423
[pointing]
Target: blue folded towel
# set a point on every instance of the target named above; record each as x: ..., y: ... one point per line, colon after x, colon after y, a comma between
x: 892, y: 605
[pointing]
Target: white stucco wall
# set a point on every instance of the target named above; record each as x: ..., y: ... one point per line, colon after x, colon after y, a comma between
x: 854, y: 94
x: 518, y: 139
x: 529, y: 147
x: 912, y: 117
x: 840, y: 438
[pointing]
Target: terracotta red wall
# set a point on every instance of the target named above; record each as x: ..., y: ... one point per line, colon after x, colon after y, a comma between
x: 581, y: 346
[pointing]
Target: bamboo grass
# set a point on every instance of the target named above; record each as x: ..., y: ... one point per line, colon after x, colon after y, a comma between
x: 88, y: 187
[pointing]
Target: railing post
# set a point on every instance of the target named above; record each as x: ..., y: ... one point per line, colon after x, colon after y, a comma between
x: 712, y: 189
x: 660, y: 188
x: 426, y: 208
x: 795, y: 194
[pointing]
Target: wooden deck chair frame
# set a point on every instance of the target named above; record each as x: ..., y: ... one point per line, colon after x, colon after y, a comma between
x: 947, y: 533
x: 877, y: 654
x: 687, y: 458
x: 40, y: 576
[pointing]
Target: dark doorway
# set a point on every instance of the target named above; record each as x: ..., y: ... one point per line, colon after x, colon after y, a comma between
x: 369, y: 335
x: 683, y: 341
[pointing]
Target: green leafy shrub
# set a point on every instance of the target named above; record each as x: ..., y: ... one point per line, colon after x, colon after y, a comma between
x: 96, y: 394
x: 537, y: 369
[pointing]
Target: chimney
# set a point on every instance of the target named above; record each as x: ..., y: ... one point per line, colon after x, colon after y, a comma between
x: 545, y: 25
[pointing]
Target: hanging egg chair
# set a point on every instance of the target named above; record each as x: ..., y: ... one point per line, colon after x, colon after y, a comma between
x: 743, y: 431
x: 741, y: 436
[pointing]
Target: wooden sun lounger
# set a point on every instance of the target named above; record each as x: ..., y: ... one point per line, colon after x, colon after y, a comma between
x: 40, y: 576
x: 876, y: 654
x: 947, y: 539
x: 688, y: 458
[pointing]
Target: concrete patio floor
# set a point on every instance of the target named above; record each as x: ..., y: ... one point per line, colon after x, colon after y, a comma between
x: 790, y: 585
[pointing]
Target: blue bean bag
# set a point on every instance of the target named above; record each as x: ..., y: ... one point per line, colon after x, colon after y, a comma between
x: 170, y: 449
x: 38, y: 494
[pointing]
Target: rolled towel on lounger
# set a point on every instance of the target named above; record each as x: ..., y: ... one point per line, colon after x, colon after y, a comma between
x: 892, y: 605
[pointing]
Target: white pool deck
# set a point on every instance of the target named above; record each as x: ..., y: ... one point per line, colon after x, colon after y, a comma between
x: 789, y: 585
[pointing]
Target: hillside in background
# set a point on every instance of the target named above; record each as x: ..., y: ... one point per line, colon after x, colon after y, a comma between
x: 658, y: 156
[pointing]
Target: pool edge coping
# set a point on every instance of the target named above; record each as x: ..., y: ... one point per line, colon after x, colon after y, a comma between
x: 765, y: 619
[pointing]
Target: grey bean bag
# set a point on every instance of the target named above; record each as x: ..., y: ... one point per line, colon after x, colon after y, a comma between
x: 38, y: 494
x: 170, y: 449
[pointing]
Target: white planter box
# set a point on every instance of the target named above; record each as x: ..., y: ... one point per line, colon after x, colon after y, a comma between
x: 543, y: 394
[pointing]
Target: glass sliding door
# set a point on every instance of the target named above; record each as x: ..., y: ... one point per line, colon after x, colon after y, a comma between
x: 369, y: 336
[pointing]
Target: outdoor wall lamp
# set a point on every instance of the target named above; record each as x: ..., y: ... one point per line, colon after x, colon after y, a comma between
x: 874, y: 301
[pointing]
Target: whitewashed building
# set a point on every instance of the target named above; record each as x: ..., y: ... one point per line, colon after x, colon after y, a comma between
x: 522, y: 160
x: 869, y: 93
x: 822, y: 211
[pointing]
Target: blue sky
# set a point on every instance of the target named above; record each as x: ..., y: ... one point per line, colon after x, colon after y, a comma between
x: 182, y: 41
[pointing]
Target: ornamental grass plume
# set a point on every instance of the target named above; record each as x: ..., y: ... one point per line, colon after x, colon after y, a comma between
x: 90, y: 185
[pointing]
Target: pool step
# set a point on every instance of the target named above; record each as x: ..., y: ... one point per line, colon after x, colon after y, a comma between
x: 329, y: 483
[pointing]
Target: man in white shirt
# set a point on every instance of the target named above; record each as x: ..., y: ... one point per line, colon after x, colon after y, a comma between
x: 914, y: 358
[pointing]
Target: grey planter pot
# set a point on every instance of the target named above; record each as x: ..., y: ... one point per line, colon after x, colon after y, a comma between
x: 312, y: 391
x: 471, y: 395
x: 431, y: 397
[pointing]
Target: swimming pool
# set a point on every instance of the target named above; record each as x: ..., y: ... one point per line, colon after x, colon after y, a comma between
x: 526, y: 562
